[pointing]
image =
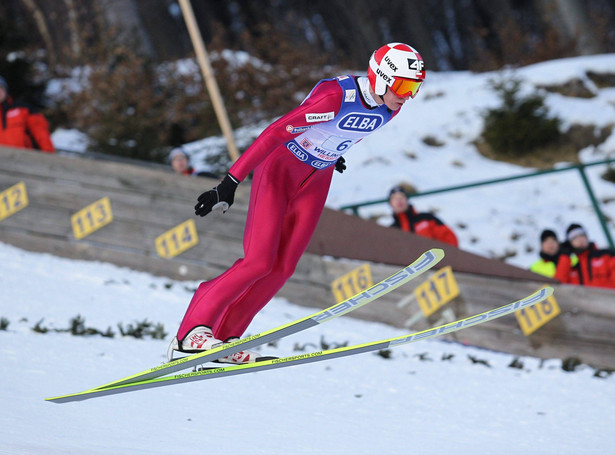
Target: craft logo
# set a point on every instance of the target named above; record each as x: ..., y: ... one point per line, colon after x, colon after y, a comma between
x: 320, y: 117
x: 360, y: 122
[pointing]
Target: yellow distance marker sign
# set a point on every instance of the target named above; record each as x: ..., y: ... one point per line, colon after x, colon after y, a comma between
x: 177, y: 240
x: 12, y: 200
x: 352, y: 283
x: 436, y: 292
x: 91, y: 218
x: 534, y: 317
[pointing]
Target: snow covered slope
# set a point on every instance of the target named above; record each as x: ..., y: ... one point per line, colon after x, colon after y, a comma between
x: 428, y: 397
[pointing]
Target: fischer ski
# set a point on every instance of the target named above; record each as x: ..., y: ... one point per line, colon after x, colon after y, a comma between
x: 211, y: 373
x: 425, y: 262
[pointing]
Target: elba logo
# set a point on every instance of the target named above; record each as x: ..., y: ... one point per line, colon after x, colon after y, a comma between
x: 360, y: 122
x: 297, y: 151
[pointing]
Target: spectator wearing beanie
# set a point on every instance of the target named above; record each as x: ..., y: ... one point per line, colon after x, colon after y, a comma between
x: 594, y: 267
x: 21, y: 125
x: 180, y: 162
x: 549, y: 254
x: 424, y: 224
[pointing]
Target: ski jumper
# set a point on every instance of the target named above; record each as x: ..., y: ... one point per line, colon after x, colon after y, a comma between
x: 293, y: 161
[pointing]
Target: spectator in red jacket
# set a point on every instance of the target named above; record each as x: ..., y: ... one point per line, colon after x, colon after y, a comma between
x: 409, y: 220
x: 595, y: 267
x: 22, y: 126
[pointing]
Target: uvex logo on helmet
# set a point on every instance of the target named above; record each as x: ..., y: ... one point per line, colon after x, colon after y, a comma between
x: 393, y: 63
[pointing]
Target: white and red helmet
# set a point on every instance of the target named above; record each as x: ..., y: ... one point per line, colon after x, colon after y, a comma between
x: 397, y: 66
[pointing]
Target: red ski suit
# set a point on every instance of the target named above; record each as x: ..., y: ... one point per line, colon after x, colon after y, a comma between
x: 286, y: 201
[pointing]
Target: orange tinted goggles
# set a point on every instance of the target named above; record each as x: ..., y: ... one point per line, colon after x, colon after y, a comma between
x: 404, y: 87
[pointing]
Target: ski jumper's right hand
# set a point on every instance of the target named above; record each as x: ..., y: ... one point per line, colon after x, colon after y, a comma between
x: 219, y: 198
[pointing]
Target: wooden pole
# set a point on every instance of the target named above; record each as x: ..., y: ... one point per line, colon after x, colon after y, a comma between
x: 208, y: 75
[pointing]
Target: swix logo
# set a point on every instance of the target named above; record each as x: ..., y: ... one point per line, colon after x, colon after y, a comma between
x: 384, y: 76
x: 297, y: 151
x: 360, y: 122
x: 390, y: 63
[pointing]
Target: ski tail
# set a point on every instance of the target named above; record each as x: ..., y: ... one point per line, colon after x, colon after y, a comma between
x: 425, y: 262
x: 283, y: 362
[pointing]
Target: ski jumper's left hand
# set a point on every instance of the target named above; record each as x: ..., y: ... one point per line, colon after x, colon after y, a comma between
x: 340, y: 165
x: 219, y: 198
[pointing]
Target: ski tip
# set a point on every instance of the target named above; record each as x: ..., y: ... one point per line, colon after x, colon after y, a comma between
x: 60, y: 399
x: 548, y: 291
x: 437, y: 252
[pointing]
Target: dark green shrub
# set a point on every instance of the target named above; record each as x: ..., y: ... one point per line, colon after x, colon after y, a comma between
x: 521, y: 124
x: 609, y: 174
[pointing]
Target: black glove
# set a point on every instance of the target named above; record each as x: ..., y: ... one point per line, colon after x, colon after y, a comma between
x: 220, y: 197
x: 340, y: 165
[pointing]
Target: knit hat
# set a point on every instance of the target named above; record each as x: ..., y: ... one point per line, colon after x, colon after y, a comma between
x: 547, y: 233
x: 575, y: 230
x: 176, y: 152
x: 397, y: 189
x: 4, y: 84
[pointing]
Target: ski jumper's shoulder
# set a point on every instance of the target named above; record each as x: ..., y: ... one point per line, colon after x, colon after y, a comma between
x: 323, y: 101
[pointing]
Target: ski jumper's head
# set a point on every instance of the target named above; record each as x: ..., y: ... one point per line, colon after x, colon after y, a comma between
x: 396, y: 68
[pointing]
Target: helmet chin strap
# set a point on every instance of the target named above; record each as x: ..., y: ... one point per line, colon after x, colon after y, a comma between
x: 378, y: 97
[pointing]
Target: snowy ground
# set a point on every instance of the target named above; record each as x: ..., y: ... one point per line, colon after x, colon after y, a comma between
x: 359, y: 405
x: 502, y: 220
